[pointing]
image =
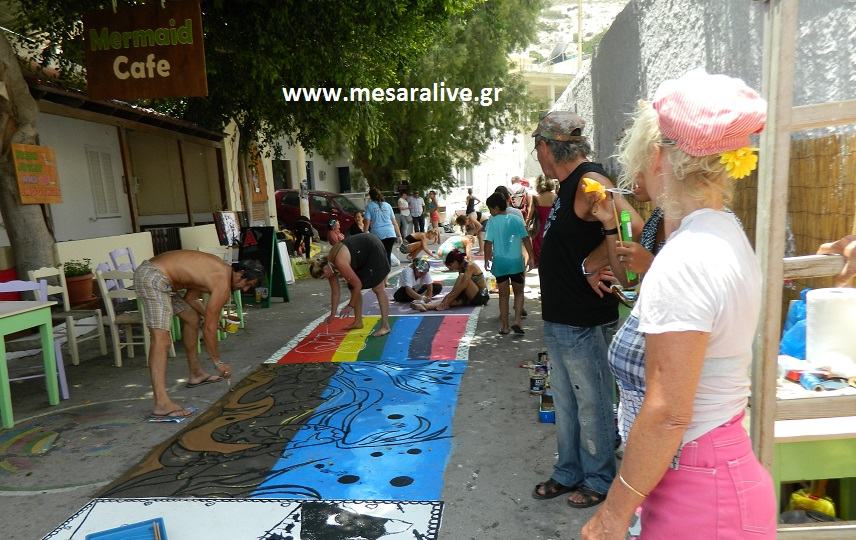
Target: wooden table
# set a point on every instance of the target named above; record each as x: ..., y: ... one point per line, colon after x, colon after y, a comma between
x: 818, y: 448
x: 17, y: 316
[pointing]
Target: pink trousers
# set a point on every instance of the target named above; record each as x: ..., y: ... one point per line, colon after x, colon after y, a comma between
x: 718, y: 491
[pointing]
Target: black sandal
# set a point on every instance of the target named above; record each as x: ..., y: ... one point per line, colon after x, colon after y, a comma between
x: 550, y: 489
x: 590, y: 498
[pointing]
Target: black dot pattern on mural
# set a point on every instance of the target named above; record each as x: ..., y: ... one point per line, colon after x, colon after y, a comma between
x: 376, y: 454
x: 348, y: 479
x: 319, y: 465
x: 401, y: 481
x: 414, y: 451
x: 367, y: 379
x: 395, y: 416
x: 447, y: 378
x: 444, y: 364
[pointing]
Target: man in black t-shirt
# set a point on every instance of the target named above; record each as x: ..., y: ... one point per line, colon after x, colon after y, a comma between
x: 580, y: 316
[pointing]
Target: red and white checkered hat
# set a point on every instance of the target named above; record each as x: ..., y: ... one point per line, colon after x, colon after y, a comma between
x: 708, y: 114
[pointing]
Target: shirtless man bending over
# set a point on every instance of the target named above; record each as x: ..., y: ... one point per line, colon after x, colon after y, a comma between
x: 156, y: 282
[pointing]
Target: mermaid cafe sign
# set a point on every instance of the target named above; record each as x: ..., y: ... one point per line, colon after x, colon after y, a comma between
x: 145, y: 51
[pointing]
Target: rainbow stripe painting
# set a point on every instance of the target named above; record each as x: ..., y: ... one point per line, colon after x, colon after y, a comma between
x: 412, y: 337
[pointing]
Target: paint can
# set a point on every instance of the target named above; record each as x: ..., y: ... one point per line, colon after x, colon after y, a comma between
x: 537, y: 381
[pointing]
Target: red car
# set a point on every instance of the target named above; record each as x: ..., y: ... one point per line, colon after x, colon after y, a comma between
x: 323, y: 206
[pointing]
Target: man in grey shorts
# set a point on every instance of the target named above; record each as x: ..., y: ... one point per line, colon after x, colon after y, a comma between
x: 156, y: 282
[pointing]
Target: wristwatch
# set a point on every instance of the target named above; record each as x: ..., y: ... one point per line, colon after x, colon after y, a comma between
x: 610, y: 232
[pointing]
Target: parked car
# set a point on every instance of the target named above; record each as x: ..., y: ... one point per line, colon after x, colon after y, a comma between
x: 323, y: 206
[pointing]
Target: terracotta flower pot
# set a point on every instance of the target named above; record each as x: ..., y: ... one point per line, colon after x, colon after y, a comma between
x: 79, y: 289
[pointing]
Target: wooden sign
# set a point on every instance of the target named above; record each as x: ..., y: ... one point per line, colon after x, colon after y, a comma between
x: 35, y: 167
x: 258, y: 180
x: 145, y: 51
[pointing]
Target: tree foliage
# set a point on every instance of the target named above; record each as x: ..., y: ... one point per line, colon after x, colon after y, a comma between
x: 254, y: 48
x: 429, y: 139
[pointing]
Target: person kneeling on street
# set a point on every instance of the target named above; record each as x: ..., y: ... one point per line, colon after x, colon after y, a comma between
x: 414, y: 283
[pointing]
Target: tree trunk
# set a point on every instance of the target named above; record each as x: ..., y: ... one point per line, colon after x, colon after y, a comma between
x: 25, y: 224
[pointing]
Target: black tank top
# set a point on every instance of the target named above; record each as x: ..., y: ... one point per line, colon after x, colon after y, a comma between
x: 471, y: 204
x: 566, y: 296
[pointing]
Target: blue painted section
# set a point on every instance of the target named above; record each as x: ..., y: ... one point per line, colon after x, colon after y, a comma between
x: 398, y: 343
x: 384, y: 432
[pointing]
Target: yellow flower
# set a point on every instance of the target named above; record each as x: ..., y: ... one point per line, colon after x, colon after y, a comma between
x: 590, y: 186
x: 739, y: 163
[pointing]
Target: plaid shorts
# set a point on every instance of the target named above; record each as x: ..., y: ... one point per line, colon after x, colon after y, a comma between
x: 157, y: 297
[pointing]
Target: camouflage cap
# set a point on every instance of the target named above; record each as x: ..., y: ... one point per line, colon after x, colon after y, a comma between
x: 421, y: 265
x: 561, y: 126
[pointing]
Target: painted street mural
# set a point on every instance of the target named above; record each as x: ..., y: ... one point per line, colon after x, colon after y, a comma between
x: 339, y: 435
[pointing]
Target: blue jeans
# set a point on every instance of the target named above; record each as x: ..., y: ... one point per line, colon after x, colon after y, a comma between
x: 582, y: 393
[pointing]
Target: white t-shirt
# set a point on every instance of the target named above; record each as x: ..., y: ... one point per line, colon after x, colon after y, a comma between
x: 407, y: 278
x: 515, y: 212
x: 403, y: 206
x: 706, y: 278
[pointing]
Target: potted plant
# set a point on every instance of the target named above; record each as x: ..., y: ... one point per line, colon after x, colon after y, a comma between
x: 78, y: 279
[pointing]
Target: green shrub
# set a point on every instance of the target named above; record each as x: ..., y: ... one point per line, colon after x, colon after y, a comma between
x: 77, y: 267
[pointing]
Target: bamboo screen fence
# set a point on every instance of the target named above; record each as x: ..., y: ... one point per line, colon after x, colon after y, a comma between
x: 821, y: 200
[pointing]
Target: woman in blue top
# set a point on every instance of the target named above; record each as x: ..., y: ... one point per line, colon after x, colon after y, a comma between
x: 380, y: 221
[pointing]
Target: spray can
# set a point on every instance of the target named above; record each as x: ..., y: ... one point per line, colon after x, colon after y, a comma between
x: 627, y: 236
x: 811, y: 382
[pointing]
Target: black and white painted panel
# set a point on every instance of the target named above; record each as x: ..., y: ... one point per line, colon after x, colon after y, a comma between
x: 261, y: 519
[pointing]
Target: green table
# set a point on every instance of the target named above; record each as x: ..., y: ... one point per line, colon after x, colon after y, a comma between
x: 15, y: 317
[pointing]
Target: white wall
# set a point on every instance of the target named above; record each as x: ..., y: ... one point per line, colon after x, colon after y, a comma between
x: 74, y: 218
x: 329, y: 181
x: 648, y: 44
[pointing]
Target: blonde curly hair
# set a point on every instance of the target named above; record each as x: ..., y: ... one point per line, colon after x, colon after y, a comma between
x: 701, y: 178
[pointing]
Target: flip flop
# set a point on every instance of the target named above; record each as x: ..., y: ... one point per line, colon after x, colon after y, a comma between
x: 503, y: 332
x: 172, y: 416
x: 211, y: 379
x: 517, y: 329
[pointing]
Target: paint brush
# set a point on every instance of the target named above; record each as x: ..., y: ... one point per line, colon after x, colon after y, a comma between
x: 156, y: 530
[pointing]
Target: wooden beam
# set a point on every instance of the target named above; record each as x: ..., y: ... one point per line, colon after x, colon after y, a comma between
x: 780, y: 23
x: 49, y: 107
x: 190, y: 220
x: 815, y: 407
x: 130, y: 179
x: 815, y: 531
x: 821, y: 115
x: 812, y: 266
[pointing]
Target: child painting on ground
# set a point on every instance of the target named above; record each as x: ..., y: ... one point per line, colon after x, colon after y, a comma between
x: 503, y: 256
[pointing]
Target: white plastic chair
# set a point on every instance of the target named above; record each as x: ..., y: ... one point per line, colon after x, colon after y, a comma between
x: 71, y: 316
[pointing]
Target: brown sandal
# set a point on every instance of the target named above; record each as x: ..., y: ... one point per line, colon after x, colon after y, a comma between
x: 590, y: 498
x: 550, y: 489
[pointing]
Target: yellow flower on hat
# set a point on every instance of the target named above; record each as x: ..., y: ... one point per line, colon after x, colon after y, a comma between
x: 593, y: 186
x: 739, y: 163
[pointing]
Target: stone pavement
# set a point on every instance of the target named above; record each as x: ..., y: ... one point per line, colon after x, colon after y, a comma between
x: 499, y: 450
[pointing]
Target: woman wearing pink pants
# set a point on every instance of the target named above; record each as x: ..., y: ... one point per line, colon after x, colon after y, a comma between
x: 682, y: 358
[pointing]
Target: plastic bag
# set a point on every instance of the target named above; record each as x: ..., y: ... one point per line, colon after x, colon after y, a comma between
x: 796, y: 311
x: 793, y: 342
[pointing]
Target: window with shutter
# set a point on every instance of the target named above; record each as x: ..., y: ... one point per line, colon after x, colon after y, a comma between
x: 103, y: 183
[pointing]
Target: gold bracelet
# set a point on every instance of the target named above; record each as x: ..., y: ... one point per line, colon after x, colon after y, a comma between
x: 631, y: 488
